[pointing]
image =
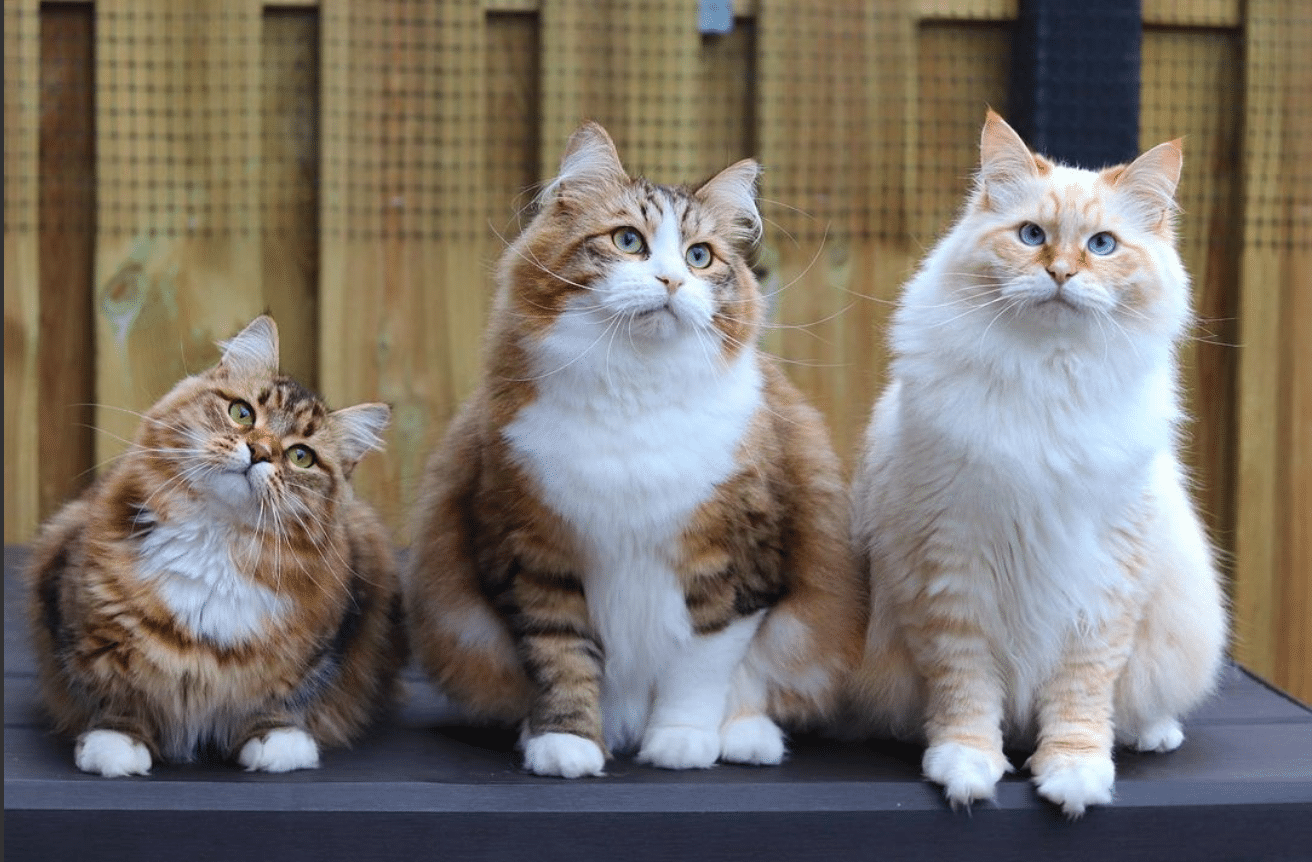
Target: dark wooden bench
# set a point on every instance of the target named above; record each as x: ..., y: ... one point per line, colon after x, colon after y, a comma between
x: 1240, y: 788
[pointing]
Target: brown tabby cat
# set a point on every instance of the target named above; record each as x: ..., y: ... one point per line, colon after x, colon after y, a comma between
x: 635, y: 533
x: 220, y: 588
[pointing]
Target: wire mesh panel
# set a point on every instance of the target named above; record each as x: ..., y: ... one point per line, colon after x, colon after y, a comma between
x: 358, y: 166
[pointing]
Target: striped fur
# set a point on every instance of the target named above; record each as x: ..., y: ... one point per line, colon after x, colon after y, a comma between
x: 206, y: 594
x: 1039, y: 575
x: 634, y: 535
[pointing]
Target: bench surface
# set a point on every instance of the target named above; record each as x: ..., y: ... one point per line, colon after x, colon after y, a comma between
x: 1239, y: 788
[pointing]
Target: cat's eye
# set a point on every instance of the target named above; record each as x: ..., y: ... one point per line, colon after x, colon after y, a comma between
x: 1032, y: 234
x: 628, y: 240
x: 241, y: 413
x: 698, y: 255
x: 1102, y: 243
x: 301, y: 456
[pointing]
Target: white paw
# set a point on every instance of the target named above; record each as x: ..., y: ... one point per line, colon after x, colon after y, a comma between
x: 563, y: 754
x: 680, y: 747
x: 280, y: 750
x: 111, y: 754
x: 755, y: 739
x: 1075, y: 784
x: 967, y: 774
x: 1165, y: 735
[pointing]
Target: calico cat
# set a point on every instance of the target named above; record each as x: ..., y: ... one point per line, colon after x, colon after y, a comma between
x: 1039, y: 575
x: 220, y: 589
x: 635, y: 533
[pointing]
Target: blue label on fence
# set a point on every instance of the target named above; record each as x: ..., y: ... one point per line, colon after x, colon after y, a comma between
x: 715, y: 16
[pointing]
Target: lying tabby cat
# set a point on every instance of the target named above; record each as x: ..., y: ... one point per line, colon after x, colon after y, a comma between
x: 220, y: 588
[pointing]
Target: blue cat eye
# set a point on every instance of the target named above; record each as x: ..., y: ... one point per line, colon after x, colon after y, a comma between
x: 1032, y: 234
x: 698, y: 255
x: 241, y: 413
x: 1102, y: 243
x: 628, y: 240
x: 301, y: 456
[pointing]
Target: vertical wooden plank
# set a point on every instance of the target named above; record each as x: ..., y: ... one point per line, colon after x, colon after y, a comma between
x: 833, y: 116
x: 725, y: 92
x: 566, y: 83
x: 404, y: 220
x: 1257, y: 512
x: 22, y: 297
x: 289, y: 186
x: 1190, y: 91
x: 66, y: 171
x: 655, y: 56
x: 178, y: 255
x: 514, y: 105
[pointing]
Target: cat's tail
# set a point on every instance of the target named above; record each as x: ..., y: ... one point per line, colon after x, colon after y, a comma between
x: 457, y: 636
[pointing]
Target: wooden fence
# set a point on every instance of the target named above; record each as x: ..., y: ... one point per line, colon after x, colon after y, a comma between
x: 173, y: 167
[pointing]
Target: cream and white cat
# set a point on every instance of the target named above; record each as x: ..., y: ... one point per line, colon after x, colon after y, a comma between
x: 1038, y: 572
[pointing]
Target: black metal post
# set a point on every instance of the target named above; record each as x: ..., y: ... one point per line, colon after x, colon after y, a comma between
x: 1075, y: 79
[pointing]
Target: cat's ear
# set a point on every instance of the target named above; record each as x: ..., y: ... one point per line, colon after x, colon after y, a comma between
x: 1005, y: 162
x: 589, y: 167
x: 1149, y: 182
x: 732, y: 192
x: 253, y: 352
x: 359, y: 430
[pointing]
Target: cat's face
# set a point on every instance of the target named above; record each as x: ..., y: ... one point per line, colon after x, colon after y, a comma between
x: 642, y: 262
x: 1059, y: 248
x: 256, y: 445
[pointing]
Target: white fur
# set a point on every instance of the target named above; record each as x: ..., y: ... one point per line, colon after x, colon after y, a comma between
x: 967, y: 774
x: 189, y: 562
x: 754, y: 739
x: 111, y: 754
x: 636, y: 421
x: 1077, y: 783
x: 280, y: 750
x: 564, y: 755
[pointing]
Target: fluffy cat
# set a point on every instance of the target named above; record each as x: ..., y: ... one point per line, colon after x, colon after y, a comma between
x: 220, y: 589
x: 635, y: 533
x: 1038, y: 573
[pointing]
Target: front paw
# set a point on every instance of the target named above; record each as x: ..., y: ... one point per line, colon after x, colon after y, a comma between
x: 754, y: 739
x: 111, y: 754
x: 280, y: 750
x: 1074, y: 782
x: 967, y: 774
x: 680, y: 747
x: 565, y: 755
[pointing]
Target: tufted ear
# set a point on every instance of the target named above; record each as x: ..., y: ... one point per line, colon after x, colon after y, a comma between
x: 1005, y: 162
x: 359, y: 430
x: 253, y: 351
x: 733, y: 193
x: 590, y: 165
x: 1149, y: 182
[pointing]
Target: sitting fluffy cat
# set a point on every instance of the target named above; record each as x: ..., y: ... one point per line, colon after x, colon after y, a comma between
x: 1038, y: 573
x: 220, y: 588
x: 635, y: 534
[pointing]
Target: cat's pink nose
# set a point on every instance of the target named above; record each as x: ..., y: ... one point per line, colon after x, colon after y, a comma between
x: 671, y: 283
x: 1060, y: 272
x: 259, y: 452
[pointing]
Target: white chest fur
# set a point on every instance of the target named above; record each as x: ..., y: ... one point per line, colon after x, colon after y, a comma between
x: 626, y: 454
x: 193, y: 571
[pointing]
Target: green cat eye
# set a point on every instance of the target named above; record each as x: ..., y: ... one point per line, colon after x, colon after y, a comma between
x: 241, y: 413
x: 1102, y: 243
x: 628, y: 240
x: 1032, y: 234
x: 301, y: 456
x: 698, y: 255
